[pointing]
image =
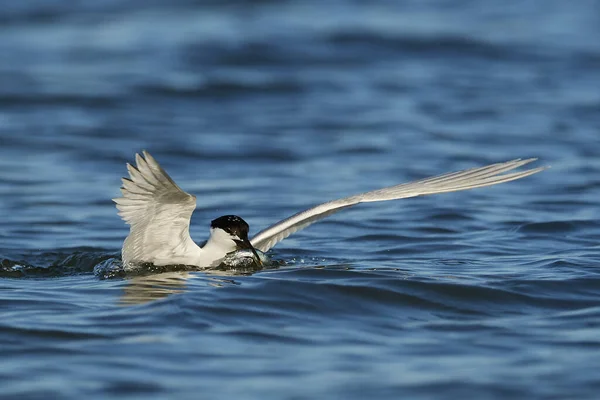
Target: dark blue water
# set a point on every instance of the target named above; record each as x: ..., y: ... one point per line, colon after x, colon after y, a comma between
x: 265, y: 108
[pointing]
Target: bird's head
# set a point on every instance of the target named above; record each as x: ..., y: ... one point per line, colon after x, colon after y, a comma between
x: 231, y: 232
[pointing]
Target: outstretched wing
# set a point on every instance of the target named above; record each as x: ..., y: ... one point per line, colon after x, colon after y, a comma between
x: 451, y: 182
x: 157, y: 210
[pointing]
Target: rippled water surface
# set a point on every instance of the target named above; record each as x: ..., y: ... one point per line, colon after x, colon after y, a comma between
x: 263, y: 109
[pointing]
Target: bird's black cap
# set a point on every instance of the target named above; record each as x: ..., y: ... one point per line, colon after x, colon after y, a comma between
x: 232, y: 224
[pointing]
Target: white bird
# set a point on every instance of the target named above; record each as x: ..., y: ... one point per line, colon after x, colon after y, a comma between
x: 159, y: 213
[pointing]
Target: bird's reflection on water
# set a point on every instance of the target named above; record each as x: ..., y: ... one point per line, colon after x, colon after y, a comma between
x: 143, y: 289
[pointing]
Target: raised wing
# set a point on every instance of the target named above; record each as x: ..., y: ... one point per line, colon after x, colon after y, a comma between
x: 451, y: 182
x: 158, y: 213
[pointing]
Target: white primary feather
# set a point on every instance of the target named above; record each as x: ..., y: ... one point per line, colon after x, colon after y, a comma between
x: 451, y: 182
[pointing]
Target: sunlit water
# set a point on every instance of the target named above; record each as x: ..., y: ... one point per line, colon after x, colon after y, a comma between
x: 264, y: 109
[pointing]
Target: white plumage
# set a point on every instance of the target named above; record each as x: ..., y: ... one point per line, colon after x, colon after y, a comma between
x: 159, y: 212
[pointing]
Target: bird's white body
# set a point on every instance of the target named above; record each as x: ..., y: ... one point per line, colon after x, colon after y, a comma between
x: 186, y: 252
x: 159, y: 213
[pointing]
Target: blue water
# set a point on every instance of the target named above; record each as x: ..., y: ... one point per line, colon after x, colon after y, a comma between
x: 263, y: 109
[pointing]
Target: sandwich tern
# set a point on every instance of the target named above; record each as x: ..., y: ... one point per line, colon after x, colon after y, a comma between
x: 158, y: 212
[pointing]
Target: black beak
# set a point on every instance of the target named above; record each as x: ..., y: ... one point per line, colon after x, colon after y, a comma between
x: 244, y: 244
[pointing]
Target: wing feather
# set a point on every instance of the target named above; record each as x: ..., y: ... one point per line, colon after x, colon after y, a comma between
x: 157, y: 210
x: 450, y: 182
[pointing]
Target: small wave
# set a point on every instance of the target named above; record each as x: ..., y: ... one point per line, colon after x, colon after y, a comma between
x: 438, y: 45
x: 53, y: 264
x: 220, y: 88
x: 555, y: 226
x: 60, y: 99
